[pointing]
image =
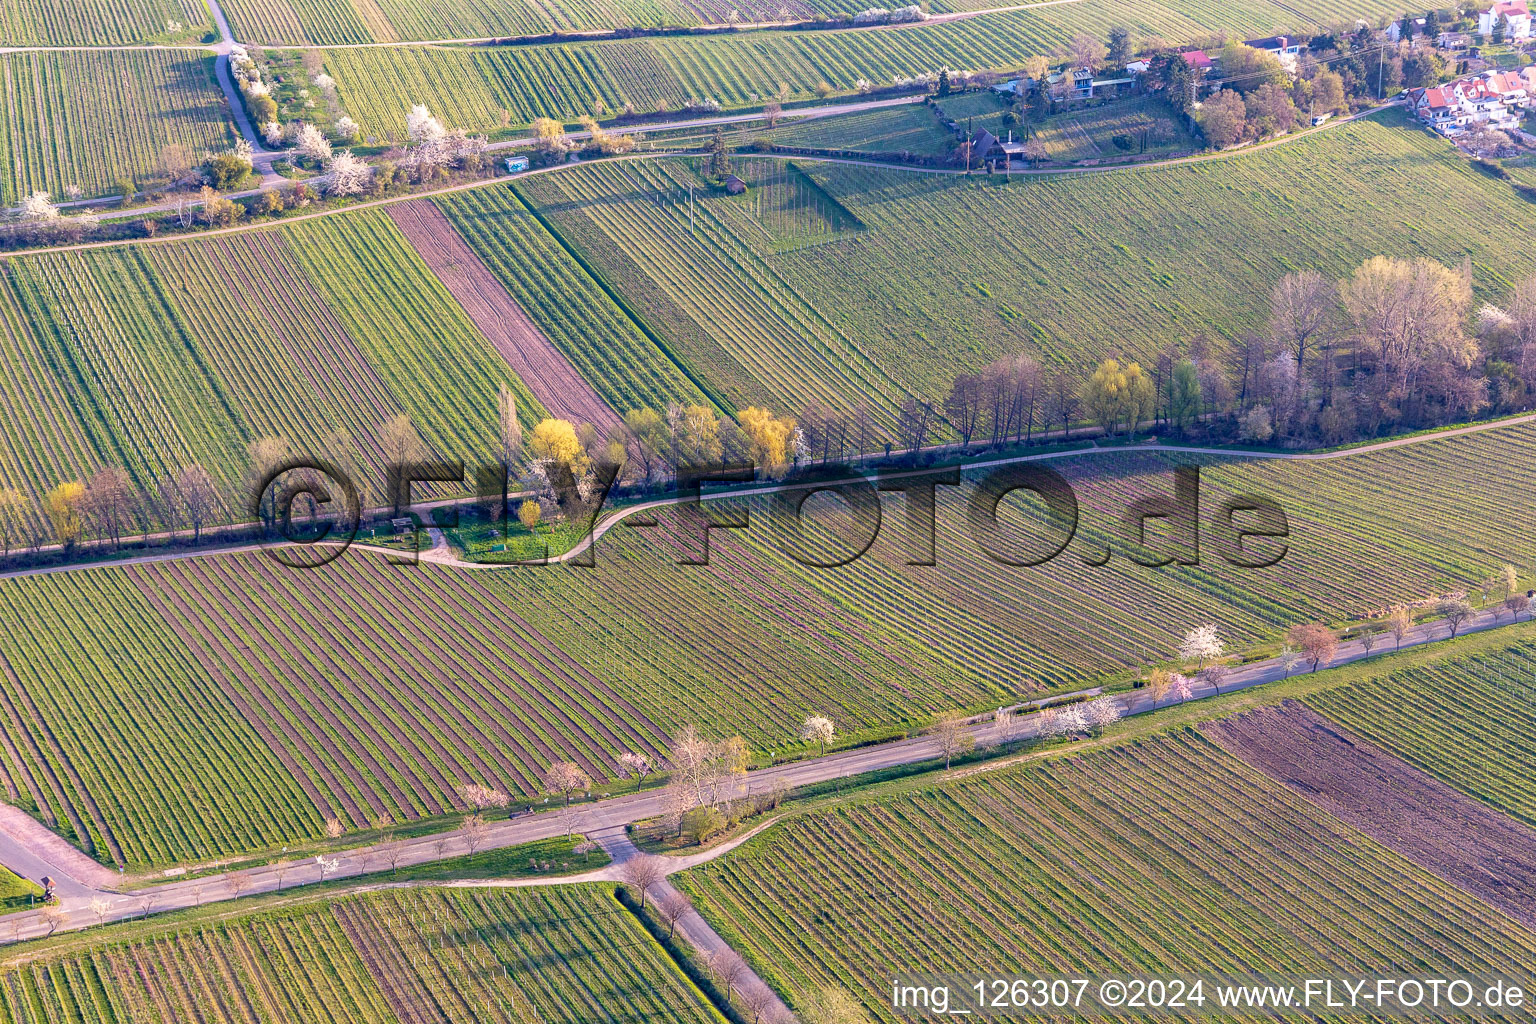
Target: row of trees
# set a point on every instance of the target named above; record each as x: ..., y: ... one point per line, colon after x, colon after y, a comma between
x: 1394, y: 345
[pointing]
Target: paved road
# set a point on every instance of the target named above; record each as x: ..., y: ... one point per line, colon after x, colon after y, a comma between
x: 593, y: 819
x: 698, y: 123
x: 691, y: 926
x: 439, y: 553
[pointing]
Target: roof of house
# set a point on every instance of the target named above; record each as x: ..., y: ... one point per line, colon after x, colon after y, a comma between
x: 1435, y: 98
x: 1271, y: 43
x: 1507, y: 7
x: 734, y: 184
x: 1197, y: 59
x: 982, y: 142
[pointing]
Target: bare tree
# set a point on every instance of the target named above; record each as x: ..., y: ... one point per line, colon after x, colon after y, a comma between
x: 509, y: 444
x: 100, y: 908
x: 1301, y: 308
x: 239, y: 882
x: 401, y: 446
x: 642, y: 873
x: 281, y: 869
x: 52, y: 917
x: 673, y: 907
x: 13, y: 516
x: 728, y: 968
x: 195, y: 497
x: 110, y: 501
x: 1369, y: 633
x: 1455, y: 613
x: 964, y: 406
x: 759, y: 999
x: 953, y: 735
x: 1517, y: 605
x: 913, y: 425
x: 475, y: 833
x: 393, y: 853
x: 1399, y: 622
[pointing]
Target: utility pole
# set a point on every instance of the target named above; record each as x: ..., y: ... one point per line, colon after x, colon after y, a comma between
x: 690, y: 207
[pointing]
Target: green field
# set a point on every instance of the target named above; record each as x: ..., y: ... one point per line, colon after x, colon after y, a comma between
x: 88, y: 119
x: 363, y: 690
x: 558, y: 956
x: 715, y: 294
x: 1165, y: 856
x: 1089, y: 134
x: 102, y: 22
x: 483, y: 87
x: 145, y: 357
x: 1468, y: 722
x: 1013, y: 266
x: 905, y: 129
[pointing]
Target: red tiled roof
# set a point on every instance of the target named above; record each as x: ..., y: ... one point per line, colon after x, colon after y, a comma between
x: 1197, y: 59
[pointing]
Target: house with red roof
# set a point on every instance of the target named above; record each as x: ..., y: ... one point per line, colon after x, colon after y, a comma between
x: 1514, y: 16
x: 1490, y: 99
x: 1198, y: 59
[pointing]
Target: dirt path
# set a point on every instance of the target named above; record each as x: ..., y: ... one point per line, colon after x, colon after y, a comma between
x: 558, y: 386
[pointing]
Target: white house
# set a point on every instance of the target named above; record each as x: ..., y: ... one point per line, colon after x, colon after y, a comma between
x: 1491, y: 99
x: 1394, y: 31
x: 1513, y: 15
x: 1286, y: 49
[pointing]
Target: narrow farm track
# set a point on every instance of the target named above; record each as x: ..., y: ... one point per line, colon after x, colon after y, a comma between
x: 557, y: 384
x: 602, y: 816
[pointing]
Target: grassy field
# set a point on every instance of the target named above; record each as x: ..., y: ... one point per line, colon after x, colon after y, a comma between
x: 1010, y: 266
x: 103, y: 22
x: 560, y: 956
x: 1090, y: 134
x: 485, y: 88
x: 1164, y: 856
x: 1467, y: 722
x: 362, y: 690
x: 714, y: 294
x: 145, y: 357
x: 906, y: 129
x: 88, y: 119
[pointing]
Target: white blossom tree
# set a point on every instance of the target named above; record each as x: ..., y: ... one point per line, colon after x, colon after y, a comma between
x: 1102, y: 713
x: 311, y: 142
x: 422, y: 127
x: 348, y: 175
x: 1070, y: 720
x: 1201, y: 644
x: 37, y: 207
x: 819, y: 730
x: 272, y: 133
x: 347, y: 129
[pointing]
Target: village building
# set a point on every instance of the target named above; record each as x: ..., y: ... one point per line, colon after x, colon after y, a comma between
x: 1492, y: 99
x: 1513, y: 16
x: 1285, y: 49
